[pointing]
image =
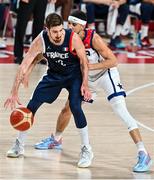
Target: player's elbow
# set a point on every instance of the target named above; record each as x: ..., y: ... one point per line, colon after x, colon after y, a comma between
x: 114, y: 62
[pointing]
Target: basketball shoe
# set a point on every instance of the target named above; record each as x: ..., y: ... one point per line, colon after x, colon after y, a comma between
x: 86, y: 157
x: 145, y: 42
x: 144, y: 162
x: 49, y: 143
x: 117, y: 43
x: 16, y: 150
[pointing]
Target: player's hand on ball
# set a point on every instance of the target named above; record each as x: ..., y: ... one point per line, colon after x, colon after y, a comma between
x: 11, y: 102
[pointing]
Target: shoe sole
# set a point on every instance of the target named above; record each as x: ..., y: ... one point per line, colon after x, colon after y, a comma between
x: 87, y: 165
x: 147, y: 169
x: 38, y: 148
x: 84, y: 166
x: 14, y: 155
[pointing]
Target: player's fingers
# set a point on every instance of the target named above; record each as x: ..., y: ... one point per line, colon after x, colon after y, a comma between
x: 82, y: 92
x: 6, y: 103
x: 18, y: 101
x: 87, y: 95
x: 12, y: 106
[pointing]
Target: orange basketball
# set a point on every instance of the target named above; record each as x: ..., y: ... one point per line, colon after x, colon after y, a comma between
x: 21, y: 119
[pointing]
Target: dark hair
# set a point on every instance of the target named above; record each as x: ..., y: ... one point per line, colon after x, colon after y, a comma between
x: 79, y: 14
x: 52, y: 20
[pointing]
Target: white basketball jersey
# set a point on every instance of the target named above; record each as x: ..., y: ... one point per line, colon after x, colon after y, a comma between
x: 92, y: 55
x: 106, y: 79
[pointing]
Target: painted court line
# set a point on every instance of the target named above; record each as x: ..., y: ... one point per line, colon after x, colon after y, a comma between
x: 137, y: 89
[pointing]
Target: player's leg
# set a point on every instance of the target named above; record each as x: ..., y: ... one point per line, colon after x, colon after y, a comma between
x: 75, y: 100
x: 119, y: 107
x: 43, y: 93
x: 113, y: 88
x: 17, y: 149
x: 63, y: 120
x: 55, y: 141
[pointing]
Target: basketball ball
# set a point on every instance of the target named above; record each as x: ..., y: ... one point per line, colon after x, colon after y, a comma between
x: 21, y: 119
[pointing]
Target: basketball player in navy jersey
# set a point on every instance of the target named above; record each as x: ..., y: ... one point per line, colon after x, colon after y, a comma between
x: 67, y: 68
x: 104, y: 75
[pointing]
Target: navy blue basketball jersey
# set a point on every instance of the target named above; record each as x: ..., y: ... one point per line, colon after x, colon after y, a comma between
x: 60, y: 58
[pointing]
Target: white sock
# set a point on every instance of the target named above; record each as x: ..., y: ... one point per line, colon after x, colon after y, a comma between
x: 22, y: 137
x: 84, y: 137
x: 117, y: 31
x: 144, y: 31
x: 140, y: 147
x: 58, y: 136
x: 65, y: 24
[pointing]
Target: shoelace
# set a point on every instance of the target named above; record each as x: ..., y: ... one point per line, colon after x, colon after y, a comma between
x: 140, y: 159
x: 48, y: 139
x: 84, y: 152
x: 16, y: 146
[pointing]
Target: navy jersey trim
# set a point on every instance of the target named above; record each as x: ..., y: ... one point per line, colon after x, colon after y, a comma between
x: 122, y: 93
x: 109, y: 73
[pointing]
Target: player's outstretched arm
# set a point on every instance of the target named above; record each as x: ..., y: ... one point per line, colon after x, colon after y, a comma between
x: 30, y: 69
x: 35, y: 49
x: 109, y: 59
x: 77, y: 44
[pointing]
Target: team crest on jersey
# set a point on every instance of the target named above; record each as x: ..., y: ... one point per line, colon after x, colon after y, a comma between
x: 65, y: 49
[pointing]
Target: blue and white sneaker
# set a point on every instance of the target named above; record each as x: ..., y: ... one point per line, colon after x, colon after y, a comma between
x: 144, y: 162
x: 117, y: 43
x: 49, y: 143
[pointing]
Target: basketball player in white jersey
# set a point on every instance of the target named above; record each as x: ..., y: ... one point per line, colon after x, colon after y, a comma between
x: 103, y: 74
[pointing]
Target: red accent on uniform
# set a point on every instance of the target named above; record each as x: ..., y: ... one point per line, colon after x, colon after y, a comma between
x: 87, y: 40
x: 70, y: 44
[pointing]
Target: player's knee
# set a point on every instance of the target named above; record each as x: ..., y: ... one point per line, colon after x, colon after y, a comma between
x: 119, y: 107
x: 80, y: 124
x: 75, y: 107
x: 33, y: 106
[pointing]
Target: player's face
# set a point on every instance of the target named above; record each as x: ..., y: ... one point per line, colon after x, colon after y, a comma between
x: 75, y: 27
x: 56, y: 33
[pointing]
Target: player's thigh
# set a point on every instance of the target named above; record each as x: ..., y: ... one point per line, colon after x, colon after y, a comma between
x: 46, y: 91
x: 110, y: 82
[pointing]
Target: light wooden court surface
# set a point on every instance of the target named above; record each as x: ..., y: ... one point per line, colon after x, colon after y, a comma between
x: 114, y: 151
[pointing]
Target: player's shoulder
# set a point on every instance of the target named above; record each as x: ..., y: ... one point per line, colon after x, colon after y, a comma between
x: 97, y: 38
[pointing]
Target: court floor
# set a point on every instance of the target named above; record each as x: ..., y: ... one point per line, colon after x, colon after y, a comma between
x: 114, y: 151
